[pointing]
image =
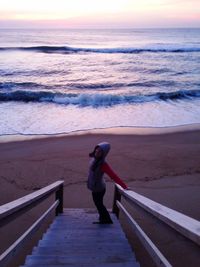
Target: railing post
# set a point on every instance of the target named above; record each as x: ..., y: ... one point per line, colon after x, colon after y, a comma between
x: 59, y: 196
x: 117, y: 196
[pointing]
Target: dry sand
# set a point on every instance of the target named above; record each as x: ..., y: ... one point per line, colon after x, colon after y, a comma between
x: 163, y: 164
x: 149, y: 163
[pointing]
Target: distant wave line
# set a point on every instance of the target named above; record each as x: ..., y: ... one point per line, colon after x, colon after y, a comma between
x: 95, y: 100
x: 87, y: 86
x: 127, y: 50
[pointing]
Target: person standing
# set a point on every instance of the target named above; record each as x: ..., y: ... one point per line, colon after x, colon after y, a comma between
x: 96, y: 182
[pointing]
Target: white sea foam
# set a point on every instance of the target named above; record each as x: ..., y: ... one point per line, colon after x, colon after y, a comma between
x: 37, y: 118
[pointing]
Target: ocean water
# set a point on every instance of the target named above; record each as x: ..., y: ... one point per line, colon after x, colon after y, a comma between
x: 59, y: 81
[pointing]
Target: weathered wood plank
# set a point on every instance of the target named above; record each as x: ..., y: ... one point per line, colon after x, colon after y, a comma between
x: 96, y: 245
x: 75, y: 259
x: 14, y: 206
x: 16, y: 246
x: 185, y: 225
x: 154, y: 252
x: 125, y: 264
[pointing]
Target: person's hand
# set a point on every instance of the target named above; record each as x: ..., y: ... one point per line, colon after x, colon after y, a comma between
x: 128, y: 188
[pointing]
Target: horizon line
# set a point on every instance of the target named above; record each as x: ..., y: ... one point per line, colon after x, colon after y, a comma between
x: 100, y: 28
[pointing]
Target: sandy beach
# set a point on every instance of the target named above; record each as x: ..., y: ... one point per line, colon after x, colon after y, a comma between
x: 162, y: 164
x: 148, y: 160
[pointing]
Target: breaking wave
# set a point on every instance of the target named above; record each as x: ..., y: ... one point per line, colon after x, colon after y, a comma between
x: 128, y: 50
x: 88, y: 86
x: 95, y: 100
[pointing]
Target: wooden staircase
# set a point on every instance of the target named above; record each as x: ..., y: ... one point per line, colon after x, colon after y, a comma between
x: 73, y: 240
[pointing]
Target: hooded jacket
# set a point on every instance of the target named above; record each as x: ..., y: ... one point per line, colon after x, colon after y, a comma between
x: 98, y: 167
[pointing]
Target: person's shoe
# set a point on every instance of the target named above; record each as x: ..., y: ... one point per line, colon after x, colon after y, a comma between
x: 108, y: 222
x: 97, y: 222
x: 103, y: 222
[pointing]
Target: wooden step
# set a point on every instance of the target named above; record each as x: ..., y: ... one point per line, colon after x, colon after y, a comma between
x: 73, y: 240
x: 71, y: 250
x: 125, y: 264
x: 79, y: 259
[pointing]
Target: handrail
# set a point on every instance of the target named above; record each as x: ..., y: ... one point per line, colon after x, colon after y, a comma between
x: 187, y: 226
x: 156, y: 255
x: 16, y: 205
x: 13, y: 208
x: 184, y: 224
x: 13, y: 249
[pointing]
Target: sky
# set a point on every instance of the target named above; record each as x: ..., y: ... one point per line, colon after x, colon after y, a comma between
x: 99, y: 13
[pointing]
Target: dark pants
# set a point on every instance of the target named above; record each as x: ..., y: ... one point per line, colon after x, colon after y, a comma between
x: 104, y: 215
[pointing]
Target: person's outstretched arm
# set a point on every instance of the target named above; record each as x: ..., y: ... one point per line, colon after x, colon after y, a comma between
x: 107, y: 169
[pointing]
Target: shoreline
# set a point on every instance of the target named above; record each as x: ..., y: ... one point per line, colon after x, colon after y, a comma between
x: 122, y: 130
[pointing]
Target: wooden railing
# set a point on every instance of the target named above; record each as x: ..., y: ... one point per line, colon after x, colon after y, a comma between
x: 186, y: 226
x: 14, y: 208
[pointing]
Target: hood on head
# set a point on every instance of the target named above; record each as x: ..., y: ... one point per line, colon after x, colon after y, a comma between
x: 105, y: 147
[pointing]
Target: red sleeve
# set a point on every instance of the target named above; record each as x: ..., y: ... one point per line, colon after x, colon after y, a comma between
x: 107, y: 169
